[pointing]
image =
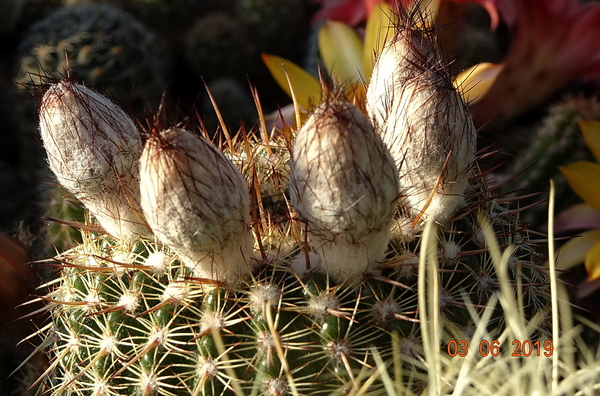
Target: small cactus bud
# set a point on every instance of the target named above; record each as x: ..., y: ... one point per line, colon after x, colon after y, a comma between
x: 197, y: 203
x: 93, y: 149
x: 344, y: 185
x: 424, y: 122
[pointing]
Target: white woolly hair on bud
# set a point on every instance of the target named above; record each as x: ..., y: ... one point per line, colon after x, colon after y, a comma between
x: 93, y: 149
x: 344, y: 184
x: 424, y: 122
x: 197, y: 203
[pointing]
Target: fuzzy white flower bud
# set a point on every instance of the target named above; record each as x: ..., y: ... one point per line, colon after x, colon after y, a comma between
x: 93, y: 149
x: 197, y: 203
x: 344, y: 185
x: 424, y: 122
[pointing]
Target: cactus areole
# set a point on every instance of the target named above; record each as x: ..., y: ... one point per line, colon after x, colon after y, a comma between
x: 220, y: 293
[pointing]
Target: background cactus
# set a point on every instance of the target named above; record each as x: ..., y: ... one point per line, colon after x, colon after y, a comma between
x: 146, y: 322
x: 101, y: 45
x: 555, y: 142
x: 218, y: 45
x: 233, y: 101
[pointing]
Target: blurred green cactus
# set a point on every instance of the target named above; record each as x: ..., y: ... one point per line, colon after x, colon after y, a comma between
x: 555, y: 142
x: 100, y: 45
x: 218, y: 45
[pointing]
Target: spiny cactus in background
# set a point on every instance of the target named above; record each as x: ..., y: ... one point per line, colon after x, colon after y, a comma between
x: 225, y: 294
x: 218, y: 45
x: 99, y: 44
x: 169, y: 14
x: 556, y: 142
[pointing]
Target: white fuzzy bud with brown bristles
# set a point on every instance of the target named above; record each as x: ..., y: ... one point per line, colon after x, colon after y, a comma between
x: 93, y: 149
x: 198, y: 204
x: 424, y: 122
x: 344, y: 185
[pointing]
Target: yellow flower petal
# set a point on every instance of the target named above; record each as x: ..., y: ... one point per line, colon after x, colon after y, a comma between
x: 477, y: 80
x: 592, y: 262
x: 307, y: 89
x: 591, y: 134
x: 574, y: 251
x: 584, y: 179
x: 380, y: 28
x: 341, y: 50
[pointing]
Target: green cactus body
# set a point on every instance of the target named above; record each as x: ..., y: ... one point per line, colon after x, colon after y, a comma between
x: 128, y: 318
x: 99, y: 44
x: 133, y: 320
x: 64, y: 214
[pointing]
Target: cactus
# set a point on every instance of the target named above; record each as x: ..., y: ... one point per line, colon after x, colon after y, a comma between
x: 148, y: 317
x: 93, y: 149
x: 233, y: 292
x: 424, y: 122
x: 555, y: 142
x: 64, y: 214
x: 99, y: 44
x: 217, y: 45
